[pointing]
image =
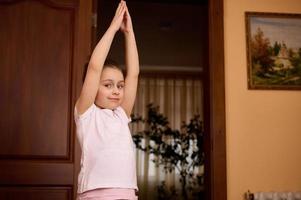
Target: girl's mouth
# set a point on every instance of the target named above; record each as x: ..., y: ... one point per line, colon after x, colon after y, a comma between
x: 114, y: 99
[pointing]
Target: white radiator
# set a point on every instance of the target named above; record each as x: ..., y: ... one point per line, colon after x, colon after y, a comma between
x: 273, y: 196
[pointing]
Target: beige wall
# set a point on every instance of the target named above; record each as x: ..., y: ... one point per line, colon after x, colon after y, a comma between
x: 263, y: 127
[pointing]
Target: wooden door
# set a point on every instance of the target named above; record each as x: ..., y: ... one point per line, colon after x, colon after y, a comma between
x: 43, y: 47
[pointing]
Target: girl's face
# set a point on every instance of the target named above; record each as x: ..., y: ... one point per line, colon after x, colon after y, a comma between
x: 111, y: 88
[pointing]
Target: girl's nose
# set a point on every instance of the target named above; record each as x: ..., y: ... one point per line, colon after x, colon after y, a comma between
x: 116, y: 90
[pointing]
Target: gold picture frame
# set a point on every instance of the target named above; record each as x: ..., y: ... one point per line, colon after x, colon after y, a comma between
x: 273, y: 50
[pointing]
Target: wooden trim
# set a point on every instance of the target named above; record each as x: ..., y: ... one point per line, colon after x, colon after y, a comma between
x: 215, y: 105
x: 39, y: 192
x: 49, y: 3
x: 82, y: 51
x: 94, y: 24
x: 44, y: 173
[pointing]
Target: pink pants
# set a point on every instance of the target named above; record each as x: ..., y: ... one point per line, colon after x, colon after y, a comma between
x: 108, y: 194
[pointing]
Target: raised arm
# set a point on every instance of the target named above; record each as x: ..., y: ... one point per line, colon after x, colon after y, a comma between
x: 91, y: 83
x: 131, y: 63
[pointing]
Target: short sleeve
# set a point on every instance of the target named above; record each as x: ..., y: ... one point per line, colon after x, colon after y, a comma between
x: 82, y: 122
x: 120, y: 111
x: 85, y: 115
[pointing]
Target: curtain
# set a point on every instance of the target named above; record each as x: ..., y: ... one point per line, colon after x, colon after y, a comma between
x: 179, y: 99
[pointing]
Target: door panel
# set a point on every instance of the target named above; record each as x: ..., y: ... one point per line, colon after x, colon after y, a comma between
x: 35, y: 193
x: 36, y: 79
x: 40, y: 67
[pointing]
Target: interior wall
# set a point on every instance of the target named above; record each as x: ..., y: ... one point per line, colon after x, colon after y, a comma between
x: 263, y: 126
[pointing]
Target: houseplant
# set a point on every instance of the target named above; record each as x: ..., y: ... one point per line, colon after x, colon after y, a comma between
x: 176, y: 150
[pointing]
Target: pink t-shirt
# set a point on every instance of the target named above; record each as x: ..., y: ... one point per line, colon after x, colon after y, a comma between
x: 108, y: 153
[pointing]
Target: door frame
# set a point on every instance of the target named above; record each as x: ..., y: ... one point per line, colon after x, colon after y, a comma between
x: 216, y: 176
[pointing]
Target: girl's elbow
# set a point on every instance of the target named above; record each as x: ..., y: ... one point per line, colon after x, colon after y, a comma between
x: 94, y: 67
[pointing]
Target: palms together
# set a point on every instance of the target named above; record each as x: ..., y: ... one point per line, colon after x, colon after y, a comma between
x: 122, y: 19
x: 126, y: 25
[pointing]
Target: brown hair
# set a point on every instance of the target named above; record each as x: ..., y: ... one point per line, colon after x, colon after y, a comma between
x: 108, y: 64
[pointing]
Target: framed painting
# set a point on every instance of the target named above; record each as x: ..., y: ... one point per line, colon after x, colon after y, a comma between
x: 273, y: 50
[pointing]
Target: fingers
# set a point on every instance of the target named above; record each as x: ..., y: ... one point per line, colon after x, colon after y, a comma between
x: 126, y: 8
x: 120, y: 12
x: 127, y: 13
x: 121, y: 8
x: 118, y: 8
x: 118, y: 19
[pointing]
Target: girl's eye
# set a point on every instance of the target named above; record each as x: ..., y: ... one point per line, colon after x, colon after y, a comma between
x: 120, y: 86
x: 108, y: 85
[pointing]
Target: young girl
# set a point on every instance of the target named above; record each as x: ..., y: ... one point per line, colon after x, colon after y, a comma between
x: 108, y: 168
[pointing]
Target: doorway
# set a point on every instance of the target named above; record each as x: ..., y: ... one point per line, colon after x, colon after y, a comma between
x: 146, y: 15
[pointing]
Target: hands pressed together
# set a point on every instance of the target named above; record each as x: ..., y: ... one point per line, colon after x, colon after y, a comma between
x: 122, y: 19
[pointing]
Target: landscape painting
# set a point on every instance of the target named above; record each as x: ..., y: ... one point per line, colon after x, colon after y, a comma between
x: 273, y: 50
